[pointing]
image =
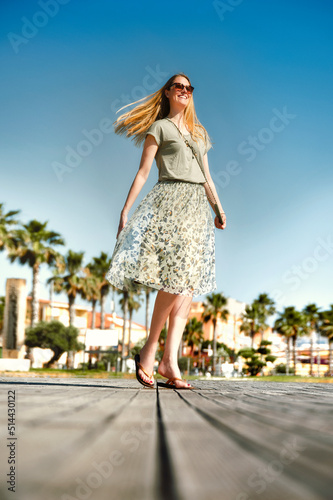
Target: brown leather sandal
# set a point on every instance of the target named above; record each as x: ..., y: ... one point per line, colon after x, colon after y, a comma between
x: 139, y: 379
x: 170, y: 384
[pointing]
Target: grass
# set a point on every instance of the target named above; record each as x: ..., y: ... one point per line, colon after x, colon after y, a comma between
x: 52, y: 372
x: 78, y: 373
x: 292, y: 378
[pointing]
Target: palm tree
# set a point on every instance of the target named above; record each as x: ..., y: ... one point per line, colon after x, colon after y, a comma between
x: 291, y: 323
x: 99, y: 268
x: 266, y: 308
x: 71, y: 282
x: 326, y: 329
x: 33, y: 245
x: 193, y: 333
x: 251, y: 321
x: 133, y: 304
x: 6, y: 221
x: 148, y: 290
x: 124, y: 300
x: 311, y: 312
x: 283, y: 329
x: 214, y: 309
x: 91, y: 292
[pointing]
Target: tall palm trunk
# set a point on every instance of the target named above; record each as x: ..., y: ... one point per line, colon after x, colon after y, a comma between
x: 330, y: 344
x: 34, y: 298
x: 51, y: 299
x: 129, y: 331
x: 103, y: 297
x: 147, y: 310
x: 288, y: 356
x: 214, y: 346
x: 70, y: 354
x: 318, y: 355
x: 71, y: 300
x: 311, y: 353
x: 294, y: 352
x: 192, y: 350
x: 93, y: 313
x: 124, y: 331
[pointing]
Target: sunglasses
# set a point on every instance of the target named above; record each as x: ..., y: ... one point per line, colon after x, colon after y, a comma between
x: 180, y: 86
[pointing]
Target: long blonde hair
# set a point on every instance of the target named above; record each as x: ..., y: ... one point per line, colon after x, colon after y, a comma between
x: 156, y: 106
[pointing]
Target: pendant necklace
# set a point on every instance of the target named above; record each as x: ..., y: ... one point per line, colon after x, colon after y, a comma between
x: 194, y: 154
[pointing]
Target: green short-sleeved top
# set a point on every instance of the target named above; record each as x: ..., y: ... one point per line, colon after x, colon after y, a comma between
x: 173, y: 158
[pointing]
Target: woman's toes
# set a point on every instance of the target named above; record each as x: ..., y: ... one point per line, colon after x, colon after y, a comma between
x: 183, y: 383
x: 144, y: 377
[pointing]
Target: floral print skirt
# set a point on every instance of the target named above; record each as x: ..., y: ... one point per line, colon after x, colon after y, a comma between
x: 168, y: 243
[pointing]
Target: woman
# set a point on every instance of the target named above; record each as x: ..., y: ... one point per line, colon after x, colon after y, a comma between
x: 168, y: 243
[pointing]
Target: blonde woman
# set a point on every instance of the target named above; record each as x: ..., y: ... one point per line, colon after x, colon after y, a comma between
x: 169, y: 242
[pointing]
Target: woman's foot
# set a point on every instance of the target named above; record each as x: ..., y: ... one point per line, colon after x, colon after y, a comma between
x: 169, y: 369
x: 147, y: 360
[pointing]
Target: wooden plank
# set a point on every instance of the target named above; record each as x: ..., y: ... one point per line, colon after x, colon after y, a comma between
x: 76, y: 443
x: 207, y: 462
x: 112, y: 439
x: 298, y: 417
x: 311, y: 462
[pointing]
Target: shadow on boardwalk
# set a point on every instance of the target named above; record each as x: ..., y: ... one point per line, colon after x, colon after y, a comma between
x: 115, y: 440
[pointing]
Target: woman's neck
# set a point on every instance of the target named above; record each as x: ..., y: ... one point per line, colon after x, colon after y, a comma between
x: 177, y: 117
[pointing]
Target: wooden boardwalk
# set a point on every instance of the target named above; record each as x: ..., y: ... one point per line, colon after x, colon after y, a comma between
x: 116, y: 440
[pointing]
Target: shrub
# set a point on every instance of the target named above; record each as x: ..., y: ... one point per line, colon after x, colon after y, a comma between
x: 281, y: 368
x: 53, y: 335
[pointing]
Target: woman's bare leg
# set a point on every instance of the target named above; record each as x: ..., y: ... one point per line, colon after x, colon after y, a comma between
x: 164, y: 303
x: 178, y: 317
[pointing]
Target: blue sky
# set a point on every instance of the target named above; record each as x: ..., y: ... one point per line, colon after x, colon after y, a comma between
x: 263, y: 79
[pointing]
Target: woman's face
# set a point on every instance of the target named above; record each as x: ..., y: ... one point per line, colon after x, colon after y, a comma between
x: 178, y: 98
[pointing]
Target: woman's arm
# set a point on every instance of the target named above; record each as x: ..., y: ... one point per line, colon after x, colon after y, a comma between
x: 211, y: 191
x: 148, y: 154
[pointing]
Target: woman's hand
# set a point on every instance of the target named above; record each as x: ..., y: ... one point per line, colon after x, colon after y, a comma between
x: 224, y: 222
x: 122, y: 222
